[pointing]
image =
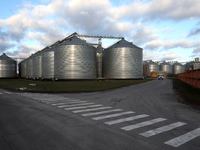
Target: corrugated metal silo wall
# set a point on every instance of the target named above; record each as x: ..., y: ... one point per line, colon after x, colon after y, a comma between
x: 166, y: 68
x: 48, y: 64
x: 123, y: 63
x: 37, y: 66
x: 8, y: 69
x: 23, y: 69
x: 178, y: 69
x: 153, y: 68
x: 29, y: 67
x: 75, y: 62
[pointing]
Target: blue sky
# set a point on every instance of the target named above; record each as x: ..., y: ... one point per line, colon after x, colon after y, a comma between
x: 166, y: 30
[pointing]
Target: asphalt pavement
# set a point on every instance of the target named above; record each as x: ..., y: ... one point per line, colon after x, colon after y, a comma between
x: 143, y: 116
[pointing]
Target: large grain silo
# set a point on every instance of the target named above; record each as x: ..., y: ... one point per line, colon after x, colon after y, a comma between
x: 48, y: 63
x: 29, y: 67
x: 22, y: 69
x: 8, y: 67
x: 165, y: 67
x: 74, y: 59
x: 123, y: 60
x: 153, y: 67
x: 37, y: 65
x: 178, y: 68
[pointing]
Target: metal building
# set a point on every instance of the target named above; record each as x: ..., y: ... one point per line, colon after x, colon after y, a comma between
x: 29, y: 67
x: 178, y: 68
x: 74, y: 59
x: 48, y: 63
x: 22, y: 69
x: 123, y: 60
x: 37, y: 65
x: 8, y: 67
x: 165, y: 67
x: 153, y: 67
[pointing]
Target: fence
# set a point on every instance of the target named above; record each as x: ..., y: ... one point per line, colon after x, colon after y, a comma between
x: 191, y: 77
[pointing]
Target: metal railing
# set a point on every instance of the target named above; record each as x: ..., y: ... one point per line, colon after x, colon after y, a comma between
x: 191, y: 77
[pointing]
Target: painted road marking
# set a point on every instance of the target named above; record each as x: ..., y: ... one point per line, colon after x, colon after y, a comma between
x: 126, y: 119
x: 7, y: 92
x: 113, y: 115
x: 101, y: 112
x: 80, y: 102
x: 55, y: 104
x: 72, y: 108
x: 184, y: 138
x: 162, y: 129
x: 142, y: 124
x: 75, y: 105
x: 1, y: 93
x: 93, y: 109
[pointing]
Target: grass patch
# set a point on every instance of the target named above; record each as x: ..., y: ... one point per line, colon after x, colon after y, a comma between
x: 189, y: 93
x: 66, y: 86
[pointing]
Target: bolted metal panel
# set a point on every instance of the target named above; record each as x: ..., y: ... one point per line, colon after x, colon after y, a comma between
x: 48, y: 63
x: 153, y: 67
x: 29, y: 67
x: 123, y: 60
x: 75, y: 59
x: 37, y: 65
x: 178, y: 68
x: 165, y: 67
x: 8, y: 67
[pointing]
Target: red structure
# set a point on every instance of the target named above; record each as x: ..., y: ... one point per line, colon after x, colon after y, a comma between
x: 191, y: 77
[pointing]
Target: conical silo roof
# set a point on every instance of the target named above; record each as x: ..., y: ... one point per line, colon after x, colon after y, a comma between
x: 5, y: 57
x: 152, y: 63
x: 74, y: 41
x: 177, y: 64
x: 165, y: 63
x: 123, y: 43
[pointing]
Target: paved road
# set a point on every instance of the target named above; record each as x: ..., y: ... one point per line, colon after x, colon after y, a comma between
x: 144, y: 116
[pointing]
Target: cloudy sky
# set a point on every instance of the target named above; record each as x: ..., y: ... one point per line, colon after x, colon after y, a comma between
x: 165, y: 29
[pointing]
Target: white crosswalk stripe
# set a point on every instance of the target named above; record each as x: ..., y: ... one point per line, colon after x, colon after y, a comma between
x: 75, y: 105
x: 7, y: 92
x: 72, y: 108
x: 67, y: 104
x: 101, y: 112
x: 63, y: 103
x: 1, y: 93
x: 113, y: 115
x: 143, y: 124
x: 126, y: 119
x: 93, y: 109
x: 184, y: 138
x: 162, y: 129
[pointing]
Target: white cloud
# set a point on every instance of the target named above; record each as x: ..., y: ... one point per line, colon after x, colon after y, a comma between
x: 170, y: 56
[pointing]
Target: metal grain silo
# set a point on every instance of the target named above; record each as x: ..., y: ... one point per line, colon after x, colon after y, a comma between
x: 22, y: 69
x: 29, y: 67
x: 123, y: 60
x: 74, y: 59
x: 8, y: 67
x: 178, y: 68
x: 37, y: 65
x: 153, y: 67
x: 165, y: 67
x: 48, y: 63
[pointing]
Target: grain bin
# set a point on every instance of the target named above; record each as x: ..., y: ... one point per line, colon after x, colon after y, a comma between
x: 153, y: 67
x: 29, y: 67
x: 37, y: 65
x: 48, y: 63
x: 74, y: 59
x: 22, y: 69
x: 8, y: 67
x: 166, y: 67
x: 123, y: 60
x: 178, y: 68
